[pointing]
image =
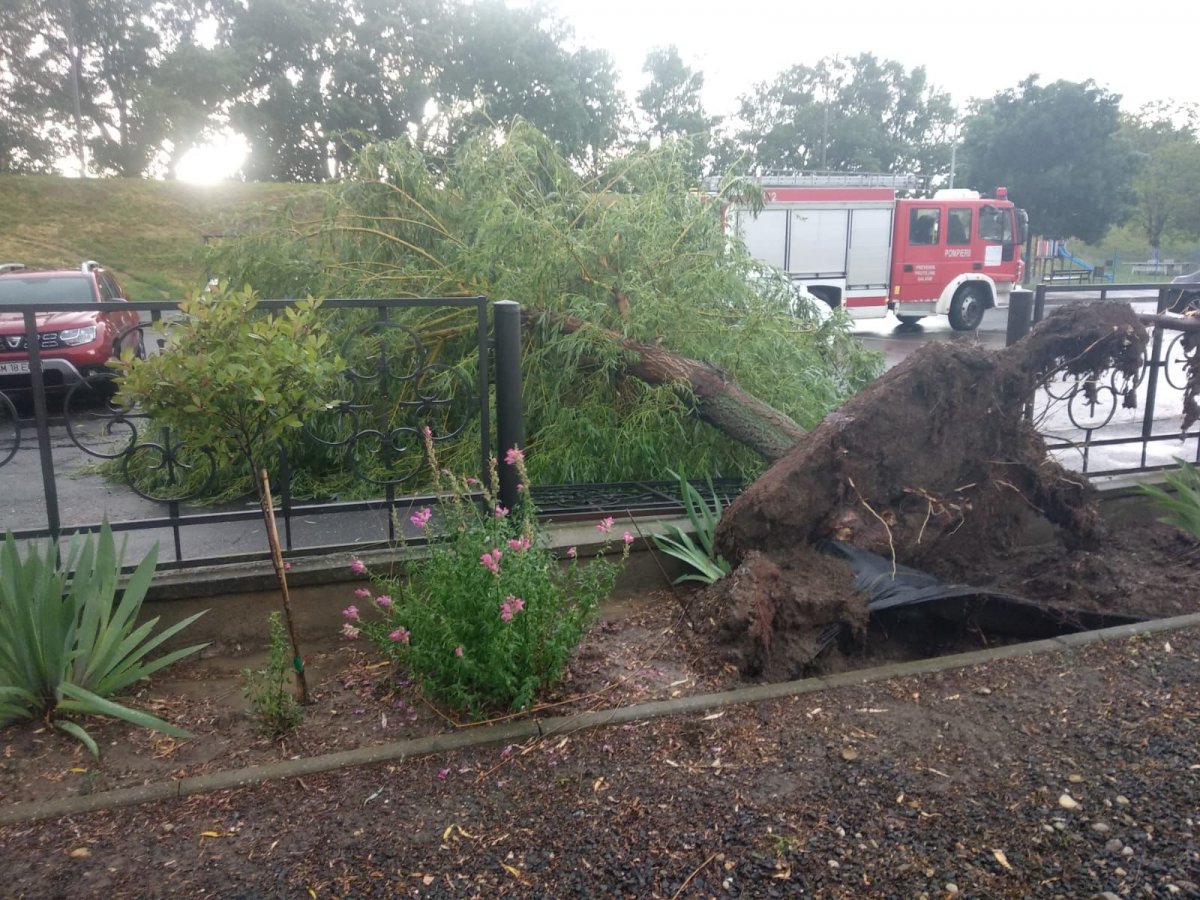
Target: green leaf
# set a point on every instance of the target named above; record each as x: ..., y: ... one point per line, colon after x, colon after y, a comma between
x: 87, y: 703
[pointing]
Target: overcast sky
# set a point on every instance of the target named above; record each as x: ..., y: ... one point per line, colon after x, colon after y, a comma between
x: 969, y: 48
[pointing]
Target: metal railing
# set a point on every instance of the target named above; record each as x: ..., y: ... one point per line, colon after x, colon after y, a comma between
x: 1119, y: 426
x: 373, y: 426
x: 155, y: 485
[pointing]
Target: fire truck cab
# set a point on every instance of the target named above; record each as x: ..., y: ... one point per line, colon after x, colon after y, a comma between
x: 854, y: 244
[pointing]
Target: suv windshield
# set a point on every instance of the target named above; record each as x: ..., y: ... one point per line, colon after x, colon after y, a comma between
x: 47, y: 290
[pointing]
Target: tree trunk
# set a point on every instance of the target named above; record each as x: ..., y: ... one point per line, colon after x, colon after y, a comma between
x: 719, y: 401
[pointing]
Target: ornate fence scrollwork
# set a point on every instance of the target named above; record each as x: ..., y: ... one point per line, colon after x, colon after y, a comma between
x: 390, y: 392
x: 10, y: 429
x: 162, y: 470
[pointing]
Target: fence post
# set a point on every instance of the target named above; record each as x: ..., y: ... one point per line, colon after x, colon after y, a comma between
x: 1039, y: 304
x: 510, y: 420
x: 42, y: 419
x: 1020, y: 316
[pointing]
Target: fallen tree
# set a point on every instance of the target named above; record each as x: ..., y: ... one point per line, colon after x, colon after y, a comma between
x: 656, y: 324
x: 712, y: 392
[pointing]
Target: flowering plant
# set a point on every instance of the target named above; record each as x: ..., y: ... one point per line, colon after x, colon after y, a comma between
x: 490, y: 617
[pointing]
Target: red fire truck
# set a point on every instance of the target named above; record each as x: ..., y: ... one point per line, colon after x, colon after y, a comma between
x: 854, y: 244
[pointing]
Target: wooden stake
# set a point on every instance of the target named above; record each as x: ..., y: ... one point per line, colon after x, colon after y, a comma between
x: 268, y: 509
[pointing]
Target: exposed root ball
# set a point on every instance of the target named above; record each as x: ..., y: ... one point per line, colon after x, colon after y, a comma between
x: 934, y: 465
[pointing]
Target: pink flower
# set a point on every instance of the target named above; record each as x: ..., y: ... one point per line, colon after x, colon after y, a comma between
x: 572, y: 552
x: 458, y: 651
x: 383, y: 601
x: 491, y: 562
x: 362, y: 593
x: 350, y: 632
x: 506, y: 752
x: 514, y: 456
x: 501, y: 512
x: 519, y: 544
x: 357, y: 566
x: 351, y: 612
x: 442, y: 774
x: 421, y: 517
x: 400, y: 635
x: 605, y: 526
x: 627, y: 538
x: 510, y: 607
x: 287, y: 567
x: 472, y: 481
x: 520, y: 487
x: 428, y: 432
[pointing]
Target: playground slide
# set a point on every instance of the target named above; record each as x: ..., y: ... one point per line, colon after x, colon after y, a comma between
x: 1066, y: 254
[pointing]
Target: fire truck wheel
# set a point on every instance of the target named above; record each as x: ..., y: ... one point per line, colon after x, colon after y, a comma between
x: 968, y: 306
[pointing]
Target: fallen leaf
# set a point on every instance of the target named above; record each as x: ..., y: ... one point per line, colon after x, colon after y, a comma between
x: 1002, y: 859
x: 81, y: 853
x: 849, y: 754
x: 515, y: 873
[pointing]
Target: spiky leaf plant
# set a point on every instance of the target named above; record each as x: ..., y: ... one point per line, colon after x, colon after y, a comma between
x: 69, y: 638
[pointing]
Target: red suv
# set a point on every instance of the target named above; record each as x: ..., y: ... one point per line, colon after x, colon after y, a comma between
x: 73, y: 345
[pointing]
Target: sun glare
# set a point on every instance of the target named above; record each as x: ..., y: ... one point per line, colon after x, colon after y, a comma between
x: 212, y: 162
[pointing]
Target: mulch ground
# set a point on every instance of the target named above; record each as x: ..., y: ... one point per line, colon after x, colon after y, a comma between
x: 1075, y: 774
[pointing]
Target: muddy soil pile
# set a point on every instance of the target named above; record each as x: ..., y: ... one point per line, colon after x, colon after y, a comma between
x: 935, y: 466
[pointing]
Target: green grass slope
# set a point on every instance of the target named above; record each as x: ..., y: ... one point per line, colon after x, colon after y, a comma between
x: 151, y: 233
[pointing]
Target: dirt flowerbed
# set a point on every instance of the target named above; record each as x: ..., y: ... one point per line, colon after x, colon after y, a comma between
x: 903, y: 788
x: 647, y: 645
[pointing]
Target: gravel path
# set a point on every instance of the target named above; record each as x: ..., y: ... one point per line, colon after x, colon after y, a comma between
x: 1075, y: 774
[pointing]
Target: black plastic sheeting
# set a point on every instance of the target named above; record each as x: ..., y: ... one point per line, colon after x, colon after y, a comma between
x: 996, y: 612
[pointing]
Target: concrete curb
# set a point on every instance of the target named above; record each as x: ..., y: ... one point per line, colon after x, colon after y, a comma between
x: 35, y: 811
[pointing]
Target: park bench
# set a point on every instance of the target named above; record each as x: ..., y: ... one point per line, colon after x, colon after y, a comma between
x: 1067, y: 276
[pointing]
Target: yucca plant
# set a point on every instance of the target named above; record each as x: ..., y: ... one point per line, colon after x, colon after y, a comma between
x: 69, y: 638
x: 708, y: 566
x: 1183, y: 506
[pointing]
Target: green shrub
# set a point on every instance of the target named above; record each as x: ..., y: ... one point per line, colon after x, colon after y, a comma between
x: 67, y: 643
x: 490, y: 617
x: 1182, y: 508
x: 236, y: 379
x: 272, y: 705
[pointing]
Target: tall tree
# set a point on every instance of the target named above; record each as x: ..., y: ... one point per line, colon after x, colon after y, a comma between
x: 673, y: 109
x: 1059, y: 150
x: 321, y: 79
x: 856, y: 114
x: 83, y: 75
x: 1163, y: 138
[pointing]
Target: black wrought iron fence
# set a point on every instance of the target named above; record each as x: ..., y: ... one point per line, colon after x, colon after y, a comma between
x: 56, y: 423
x: 156, y: 483
x: 1120, y: 426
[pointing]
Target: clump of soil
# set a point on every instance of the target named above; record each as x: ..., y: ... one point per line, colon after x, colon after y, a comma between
x: 781, y: 607
x: 935, y: 464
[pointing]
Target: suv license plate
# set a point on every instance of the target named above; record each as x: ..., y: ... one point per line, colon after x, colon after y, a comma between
x: 14, y: 368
